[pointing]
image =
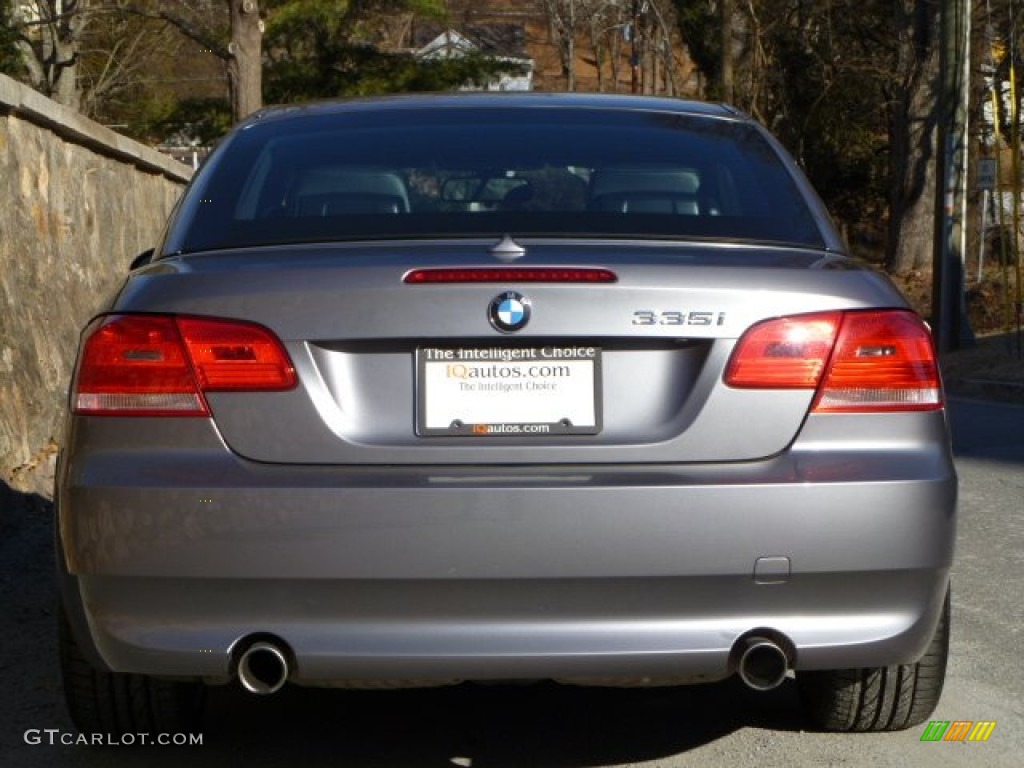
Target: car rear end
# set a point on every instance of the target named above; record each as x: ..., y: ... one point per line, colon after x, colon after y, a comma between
x: 597, y: 457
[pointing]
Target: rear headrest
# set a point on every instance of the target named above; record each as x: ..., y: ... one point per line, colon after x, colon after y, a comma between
x: 628, y: 179
x: 352, y: 181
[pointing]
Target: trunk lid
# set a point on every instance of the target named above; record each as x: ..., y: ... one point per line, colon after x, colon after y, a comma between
x: 655, y: 343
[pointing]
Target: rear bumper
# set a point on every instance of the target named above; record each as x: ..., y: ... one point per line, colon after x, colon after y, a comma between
x: 442, y: 573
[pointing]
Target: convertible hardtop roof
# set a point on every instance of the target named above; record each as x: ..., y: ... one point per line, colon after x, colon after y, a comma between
x: 490, y: 100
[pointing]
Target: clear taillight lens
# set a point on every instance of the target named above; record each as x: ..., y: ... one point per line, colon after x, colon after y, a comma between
x: 859, y: 361
x: 158, y: 365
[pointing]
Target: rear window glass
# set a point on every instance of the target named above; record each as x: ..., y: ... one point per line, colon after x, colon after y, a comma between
x: 489, y: 172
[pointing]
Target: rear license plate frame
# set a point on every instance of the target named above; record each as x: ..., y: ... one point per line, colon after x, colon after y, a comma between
x: 508, y: 391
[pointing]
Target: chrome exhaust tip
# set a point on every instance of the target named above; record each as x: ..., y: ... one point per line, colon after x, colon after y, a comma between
x: 763, y: 664
x: 262, y: 669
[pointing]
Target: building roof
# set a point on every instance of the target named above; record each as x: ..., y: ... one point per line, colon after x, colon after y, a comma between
x: 508, y: 40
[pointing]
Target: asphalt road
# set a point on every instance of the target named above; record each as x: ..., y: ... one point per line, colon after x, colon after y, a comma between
x: 496, y: 727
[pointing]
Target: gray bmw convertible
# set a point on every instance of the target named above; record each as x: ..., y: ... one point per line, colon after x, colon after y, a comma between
x: 422, y: 390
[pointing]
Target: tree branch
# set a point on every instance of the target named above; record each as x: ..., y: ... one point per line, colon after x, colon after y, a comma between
x: 204, y: 38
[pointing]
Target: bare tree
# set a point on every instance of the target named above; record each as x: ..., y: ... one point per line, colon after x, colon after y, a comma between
x: 50, y: 37
x: 120, y: 52
x: 241, y: 54
x: 650, y: 25
x: 565, y: 19
x: 607, y: 26
x: 52, y: 34
x: 663, y: 45
x: 598, y: 23
x: 615, y: 35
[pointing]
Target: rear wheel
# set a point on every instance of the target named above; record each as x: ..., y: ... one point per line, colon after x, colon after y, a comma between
x: 118, y: 703
x: 879, y: 698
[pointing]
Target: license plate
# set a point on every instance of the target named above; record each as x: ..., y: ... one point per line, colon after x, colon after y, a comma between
x: 508, y: 391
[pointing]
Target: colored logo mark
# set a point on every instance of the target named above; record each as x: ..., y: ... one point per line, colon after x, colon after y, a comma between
x: 509, y: 312
x: 958, y: 730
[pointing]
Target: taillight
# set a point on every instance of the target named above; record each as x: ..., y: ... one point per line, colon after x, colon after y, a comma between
x: 882, y: 361
x: 235, y: 356
x: 784, y: 353
x: 136, y: 364
x: 157, y: 365
x: 858, y: 361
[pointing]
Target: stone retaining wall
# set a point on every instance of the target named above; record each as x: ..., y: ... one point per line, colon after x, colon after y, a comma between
x: 77, y: 202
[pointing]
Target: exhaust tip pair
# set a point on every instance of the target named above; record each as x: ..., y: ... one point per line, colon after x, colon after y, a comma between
x: 263, y: 666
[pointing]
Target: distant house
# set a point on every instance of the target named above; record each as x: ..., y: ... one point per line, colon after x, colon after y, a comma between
x: 504, y: 42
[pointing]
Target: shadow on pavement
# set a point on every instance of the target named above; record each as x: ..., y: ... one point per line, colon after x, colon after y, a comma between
x: 27, y: 597
x: 501, y: 726
x: 990, y: 369
x: 987, y: 430
x: 478, y: 726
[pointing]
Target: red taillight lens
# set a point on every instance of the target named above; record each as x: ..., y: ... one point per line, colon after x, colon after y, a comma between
x: 156, y: 365
x: 884, y: 361
x: 784, y: 353
x: 511, y: 275
x: 858, y: 361
x: 236, y: 356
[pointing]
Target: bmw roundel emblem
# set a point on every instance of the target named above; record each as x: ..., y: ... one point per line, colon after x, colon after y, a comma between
x: 509, y: 312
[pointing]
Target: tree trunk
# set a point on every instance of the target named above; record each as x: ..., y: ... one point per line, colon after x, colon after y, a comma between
x: 726, y: 80
x: 570, y: 48
x: 615, y: 56
x: 666, y: 46
x: 51, y: 53
x: 597, y: 46
x: 66, y: 90
x: 245, y: 58
x: 913, y: 135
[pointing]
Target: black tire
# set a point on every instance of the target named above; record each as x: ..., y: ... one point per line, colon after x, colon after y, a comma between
x: 879, y: 698
x: 118, y: 703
